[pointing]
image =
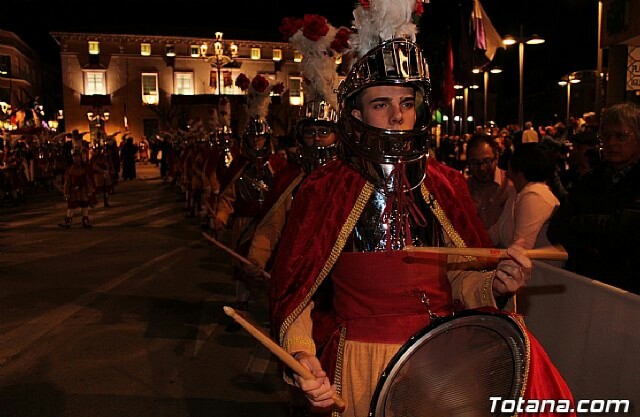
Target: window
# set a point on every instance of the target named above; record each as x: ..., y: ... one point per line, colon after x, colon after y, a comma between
x: 94, y: 47
x: 145, y: 49
x: 195, y: 51
x: 5, y: 65
x: 277, y: 54
x: 297, y: 56
x: 296, y: 96
x: 255, y: 53
x: 94, y: 83
x: 150, y: 88
x: 183, y: 82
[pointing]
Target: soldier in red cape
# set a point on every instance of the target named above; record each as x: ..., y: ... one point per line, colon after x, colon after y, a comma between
x: 78, y: 189
x: 345, y: 292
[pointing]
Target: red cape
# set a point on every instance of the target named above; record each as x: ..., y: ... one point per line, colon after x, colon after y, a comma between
x: 284, y: 180
x: 324, y: 212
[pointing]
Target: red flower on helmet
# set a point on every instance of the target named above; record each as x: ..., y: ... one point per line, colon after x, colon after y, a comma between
x: 289, y: 26
x: 242, y: 82
x: 365, y: 4
x: 314, y: 26
x: 341, y: 41
x: 419, y: 9
x: 259, y: 83
x: 278, y: 88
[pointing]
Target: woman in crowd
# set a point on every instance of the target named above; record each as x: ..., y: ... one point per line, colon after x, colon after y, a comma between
x: 526, y: 214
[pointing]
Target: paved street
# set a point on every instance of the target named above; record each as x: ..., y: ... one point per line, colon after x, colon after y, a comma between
x: 124, y: 319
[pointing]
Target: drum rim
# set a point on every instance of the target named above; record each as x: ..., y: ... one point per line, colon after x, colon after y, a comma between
x: 439, y: 323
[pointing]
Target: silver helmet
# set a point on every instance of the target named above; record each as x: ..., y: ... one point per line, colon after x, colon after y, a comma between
x: 394, y: 62
x: 252, y: 146
x: 324, y: 116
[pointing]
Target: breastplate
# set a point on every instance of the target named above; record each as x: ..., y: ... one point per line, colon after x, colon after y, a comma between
x: 253, y: 184
x: 370, y: 232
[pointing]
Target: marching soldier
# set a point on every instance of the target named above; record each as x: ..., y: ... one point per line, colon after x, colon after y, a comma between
x: 102, y: 172
x: 78, y: 190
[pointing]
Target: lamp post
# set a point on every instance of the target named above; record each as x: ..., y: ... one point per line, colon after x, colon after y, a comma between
x: 222, y: 55
x: 521, y: 41
x: 485, y: 94
x: 566, y: 81
x: 97, y: 121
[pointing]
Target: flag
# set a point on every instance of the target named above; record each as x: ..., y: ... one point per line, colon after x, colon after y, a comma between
x: 487, y: 37
x: 449, y: 82
x: 213, y: 81
x: 226, y: 79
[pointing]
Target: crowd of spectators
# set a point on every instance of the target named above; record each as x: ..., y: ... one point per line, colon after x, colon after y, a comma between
x: 576, y: 185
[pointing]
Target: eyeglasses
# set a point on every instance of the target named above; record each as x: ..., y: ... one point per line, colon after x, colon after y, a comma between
x: 485, y: 162
x: 322, y: 132
x: 622, y: 136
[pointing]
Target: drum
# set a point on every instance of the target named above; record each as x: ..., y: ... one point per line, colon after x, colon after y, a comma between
x: 453, y: 367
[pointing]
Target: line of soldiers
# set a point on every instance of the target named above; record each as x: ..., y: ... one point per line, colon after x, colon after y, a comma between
x: 245, y: 181
x: 334, y: 224
x: 30, y: 162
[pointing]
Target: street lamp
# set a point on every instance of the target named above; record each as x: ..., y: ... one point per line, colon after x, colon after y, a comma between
x: 566, y: 81
x: 97, y: 120
x: 98, y: 117
x: 521, y: 40
x: 485, y: 95
x: 223, y: 54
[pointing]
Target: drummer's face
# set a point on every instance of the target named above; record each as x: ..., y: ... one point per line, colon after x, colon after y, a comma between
x: 389, y: 107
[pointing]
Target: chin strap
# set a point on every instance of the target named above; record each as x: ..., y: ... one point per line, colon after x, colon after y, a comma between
x: 401, y: 197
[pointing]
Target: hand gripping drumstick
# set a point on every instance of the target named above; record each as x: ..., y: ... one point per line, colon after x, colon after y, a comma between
x: 551, y: 253
x: 233, y: 253
x: 282, y: 354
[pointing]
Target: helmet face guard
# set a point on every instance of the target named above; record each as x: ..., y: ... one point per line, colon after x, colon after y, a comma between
x: 396, y: 62
x: 313, y: 155
x: 257, y: 129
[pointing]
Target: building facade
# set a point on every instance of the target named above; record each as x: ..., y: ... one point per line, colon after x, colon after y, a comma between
x: 143, y: 84
x: 22, y: 77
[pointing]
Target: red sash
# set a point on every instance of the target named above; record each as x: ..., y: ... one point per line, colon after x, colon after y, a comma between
x: 386, y: 297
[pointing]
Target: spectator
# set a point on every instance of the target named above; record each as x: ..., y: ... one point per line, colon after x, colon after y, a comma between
x: 128, y: 156
x: 507, y: 150
x: 529, y: 135
x: 584, y: 157
x: 599, y: 223
x: 488, y: 185
x: 526, y: 214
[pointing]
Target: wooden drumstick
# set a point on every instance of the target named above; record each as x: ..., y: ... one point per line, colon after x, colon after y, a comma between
x: 233, y: 253
x: 551, y: 253
x: 282, y: 354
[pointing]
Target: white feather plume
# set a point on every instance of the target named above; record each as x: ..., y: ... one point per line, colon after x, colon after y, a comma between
x: 382, y: 21
x: 258, y: 102
x: 318, y: 65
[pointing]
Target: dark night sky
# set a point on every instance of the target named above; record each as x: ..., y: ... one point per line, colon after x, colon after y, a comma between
x: 569, y: 26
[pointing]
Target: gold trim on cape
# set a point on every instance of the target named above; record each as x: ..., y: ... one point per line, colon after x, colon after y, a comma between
x: 345, y: 231
x: 337, y: 378
x: 520, y: 322
x: 287, y: 192
x: 442, y: 217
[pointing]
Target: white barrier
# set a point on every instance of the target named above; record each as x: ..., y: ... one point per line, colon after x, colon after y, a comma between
x: 590, y: 330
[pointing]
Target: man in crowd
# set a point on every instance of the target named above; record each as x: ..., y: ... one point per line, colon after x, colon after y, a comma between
x: 599, y: 223
x: 488, y: 185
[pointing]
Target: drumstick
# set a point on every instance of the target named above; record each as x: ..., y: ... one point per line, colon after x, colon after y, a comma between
x: 233, y: 253
x: 282, y: 354
x: 551, y: 253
